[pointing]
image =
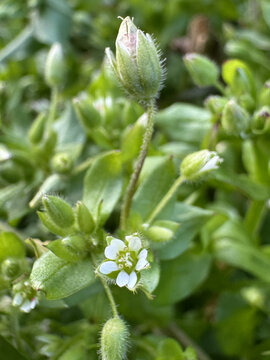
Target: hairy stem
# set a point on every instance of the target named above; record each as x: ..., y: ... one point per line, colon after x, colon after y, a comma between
x: 164, y: 201
x: 136, y: 173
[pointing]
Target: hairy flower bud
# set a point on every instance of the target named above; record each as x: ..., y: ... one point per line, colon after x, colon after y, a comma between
x: 114, y: 340
x: 235, y: 119
x: 202, y: 70
x: 36, y: 131
x: 87, y: 113
x: 55, y: 66
x: 137, y: 65
x: 59, y: 211
x: 199, y: 163
x: 61, y: 163
x: 84, y: 218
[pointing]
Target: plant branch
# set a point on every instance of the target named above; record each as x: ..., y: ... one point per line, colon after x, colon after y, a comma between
x: 136, y: 173
x: 164, y: 201
x: 185, y: 340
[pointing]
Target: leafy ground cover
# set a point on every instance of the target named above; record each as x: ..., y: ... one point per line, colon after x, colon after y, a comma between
x: 134, y: 220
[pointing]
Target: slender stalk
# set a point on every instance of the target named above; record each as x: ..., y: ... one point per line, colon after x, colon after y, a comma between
x: 164, y: 201
x: 136, y: 173
x: 220, y: 87
x: 53, y: 106
x: 110, y: 296
x: 107, y: 290
x: 254, y: 216
x: 185, y: 340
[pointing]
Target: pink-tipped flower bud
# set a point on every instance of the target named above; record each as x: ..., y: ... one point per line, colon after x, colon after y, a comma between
x: 137, y: 64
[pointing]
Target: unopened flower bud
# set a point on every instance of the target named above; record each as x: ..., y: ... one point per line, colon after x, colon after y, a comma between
x: 61, y: 163
x: 202, y: 70
x: 215, y: 104
x: 36, y: 131
x: 11, y: 268
x: 55, y: 66
x: 84, y: 218
x: 199, y: 163
x: 261, y: 120
x: 59, y: 211
x: 137, y: 65
x: 76, y: 243
x: 87, y: 113
x: 114, y: 340
x: 162, y: 231
x: 235, y: 119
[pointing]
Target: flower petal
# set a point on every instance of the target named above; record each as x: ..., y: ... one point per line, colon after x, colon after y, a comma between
x: 17, y: 300
x: 143, y: 254
x: 112, y: 250
x: 122, y: 278
x: 141, y: 264
x: 134, y: 243
x: 26, y: 306
x: 132, y: 280
x: 107, y: 267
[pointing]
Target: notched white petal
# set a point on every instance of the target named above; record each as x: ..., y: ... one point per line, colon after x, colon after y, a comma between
x: 134, y: 243
x: 132, y: 280
x: 107, y: 267
x: 143, y: 254
x: 122, y: 278
x: 141, y: 264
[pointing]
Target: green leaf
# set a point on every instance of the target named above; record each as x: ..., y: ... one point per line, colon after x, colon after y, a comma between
x: 59, y: 278
x: 11, y: 246
x: 132, y: 140
x: 184, y: 122
x: 150, y: 277
x: 242, y: 183
x: 180, y: 277
x: 169, y: 349
x: 53, y: 23
x: 8, y: 351
x: 234, y: 316
x: 62, y: 251
x: 103, y: 184
x: 153, y: 188
x: 191, y: 219
x: 243, y: 256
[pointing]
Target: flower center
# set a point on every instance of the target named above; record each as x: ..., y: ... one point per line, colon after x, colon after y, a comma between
x: 126, y: 260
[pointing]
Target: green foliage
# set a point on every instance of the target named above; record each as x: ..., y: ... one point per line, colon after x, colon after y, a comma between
x: 186, y: 272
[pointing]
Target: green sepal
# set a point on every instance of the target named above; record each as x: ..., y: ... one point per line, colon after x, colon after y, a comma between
x: 51, y: 226
x: 64, y: 252
x: 36, y: 131
x: 59, y: 211
x: 84, y: 218
x: 128, y: 71
x: 148, y: 65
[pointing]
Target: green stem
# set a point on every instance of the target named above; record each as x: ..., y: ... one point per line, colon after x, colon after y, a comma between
x: 136, y: 173
x: 185, y: 340
x: 220, y: 87
x: 254, y: 216
x: 107, y: 290
x: 164, y: 201
x: 53, y: 107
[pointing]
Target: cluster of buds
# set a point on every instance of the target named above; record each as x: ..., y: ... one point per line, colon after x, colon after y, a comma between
x: 137, y: 65
x: 124, y: 261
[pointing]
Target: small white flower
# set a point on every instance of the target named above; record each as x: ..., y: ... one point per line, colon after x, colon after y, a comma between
x: 24, y: 297
x: 125, y: 260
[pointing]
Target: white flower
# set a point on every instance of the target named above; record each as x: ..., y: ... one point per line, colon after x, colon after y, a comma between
x: 25, y: 297
x: 125, y: 260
